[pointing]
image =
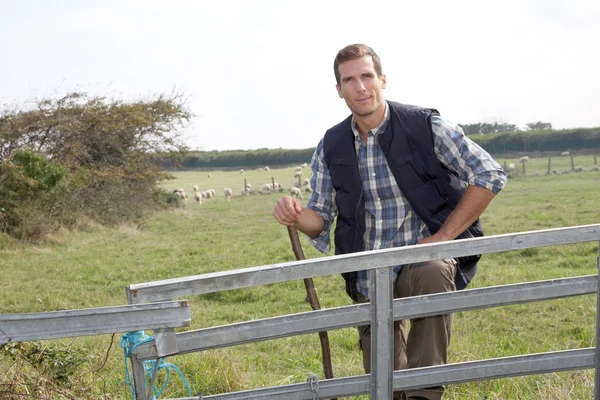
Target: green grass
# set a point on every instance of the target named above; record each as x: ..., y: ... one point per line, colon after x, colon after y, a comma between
x: 90, y: 267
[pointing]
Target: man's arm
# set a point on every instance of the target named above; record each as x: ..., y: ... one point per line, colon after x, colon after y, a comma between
x: 316, y: 218
x: 473, y: 203
x: 289, y: 211
x: 473, y: 165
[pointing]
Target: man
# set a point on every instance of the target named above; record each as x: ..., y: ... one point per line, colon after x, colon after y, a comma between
x: 396, y: 175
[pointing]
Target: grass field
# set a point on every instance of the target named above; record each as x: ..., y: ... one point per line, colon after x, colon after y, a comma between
x: 90, y: 267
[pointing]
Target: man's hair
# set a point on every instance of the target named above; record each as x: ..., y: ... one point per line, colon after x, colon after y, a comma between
x: 352, y: 52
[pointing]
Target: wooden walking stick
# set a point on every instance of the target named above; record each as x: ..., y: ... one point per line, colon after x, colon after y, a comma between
x: 314, y: 302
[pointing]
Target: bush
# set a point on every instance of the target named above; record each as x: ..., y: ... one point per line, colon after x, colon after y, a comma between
x: 85, y: 157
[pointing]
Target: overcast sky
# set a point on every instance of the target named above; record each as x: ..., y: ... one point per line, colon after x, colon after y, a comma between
x: 260, y: 73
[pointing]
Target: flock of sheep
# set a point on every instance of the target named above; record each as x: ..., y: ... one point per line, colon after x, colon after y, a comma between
x: 512, y: 169
x: 295, y: 190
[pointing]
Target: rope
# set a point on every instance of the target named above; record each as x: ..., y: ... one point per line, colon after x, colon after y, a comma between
x: 129, y: 342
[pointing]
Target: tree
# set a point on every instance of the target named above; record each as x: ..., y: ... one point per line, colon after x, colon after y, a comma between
x: 537, y: 126
x: 487, y: 128
x: 108, y: 153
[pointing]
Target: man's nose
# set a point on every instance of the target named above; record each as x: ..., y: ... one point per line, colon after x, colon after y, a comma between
x: 360, y: 86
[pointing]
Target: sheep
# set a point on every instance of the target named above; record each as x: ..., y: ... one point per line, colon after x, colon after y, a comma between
x: 295, y: 192
x: 304, y: 165
x: 267, y: 168
x: 307, y: 189
x: 228, y: 193
x: 298, y: 169
x: 241, y: 171
x: 298, y: 174
x: 524, y: 159
x: 260, y: 170
x: 198, y: 197
x: 209, y: 174
x: 511, y: 167
x: 204, y: 194
x: 181, y: 194
x: 277, y: 186
x: 564, y: 153
x: 267, y: 187
x: 306, y: 182
x: 212, y: 192
x: 195, y: 188
x: 249, y: 186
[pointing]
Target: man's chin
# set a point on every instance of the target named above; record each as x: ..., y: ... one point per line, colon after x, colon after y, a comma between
x: 364, y: 113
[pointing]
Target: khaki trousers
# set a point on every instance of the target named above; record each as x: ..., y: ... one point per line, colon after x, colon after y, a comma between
x: 428, y: 338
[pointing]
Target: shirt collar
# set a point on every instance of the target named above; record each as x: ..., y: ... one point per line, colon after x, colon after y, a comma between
x: 378, y: 128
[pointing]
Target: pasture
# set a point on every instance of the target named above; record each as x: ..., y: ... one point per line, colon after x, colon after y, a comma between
x: 91, y: 266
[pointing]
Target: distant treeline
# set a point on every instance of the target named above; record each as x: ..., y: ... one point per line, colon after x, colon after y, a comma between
x: 541, y: 140
x: 245, y: 158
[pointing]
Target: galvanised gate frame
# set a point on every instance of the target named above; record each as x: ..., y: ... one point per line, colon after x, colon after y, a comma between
x: 381, y: 313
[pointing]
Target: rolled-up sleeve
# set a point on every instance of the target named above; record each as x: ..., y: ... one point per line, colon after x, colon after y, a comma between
x: 322, y: 199
x: 459, y: 153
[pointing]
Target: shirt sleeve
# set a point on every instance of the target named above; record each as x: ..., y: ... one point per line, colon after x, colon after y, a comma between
x: 459, y: 153
x: 322, y: 199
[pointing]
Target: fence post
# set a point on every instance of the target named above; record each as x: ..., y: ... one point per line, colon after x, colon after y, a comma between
x: 524, y: 161
x: 273, y: 183
x: 549, y: 161
x: 382, y: 334
x: 597, y: 369
x: 572, y: 163
x: 139, y: 377
x: 595, y: 159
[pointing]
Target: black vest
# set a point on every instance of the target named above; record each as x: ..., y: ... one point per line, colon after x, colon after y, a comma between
x: 431, y: 189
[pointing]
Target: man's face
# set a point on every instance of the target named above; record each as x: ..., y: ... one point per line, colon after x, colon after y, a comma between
x: 360, y: 86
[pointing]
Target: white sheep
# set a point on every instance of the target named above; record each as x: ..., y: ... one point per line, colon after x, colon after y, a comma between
x: 241, y: 171
x: 198, y: 197
x: 277, y: 186
x: 511, y: 167
x: 298, y: 174
x: 228, y: 193
x: 524, y: 159
x: 298, y: 169
x: 182, y: 193
x: 295, y: 192
x: 209, y: 174
x: 306, y: 182
x: 564, y: 153
x: 267, y: 168
x: 304, y: 165
x: 260, y: 170
x: 195, y: 188
x: 307, y: 189
x: 266, y: 187
x: 212, y: 192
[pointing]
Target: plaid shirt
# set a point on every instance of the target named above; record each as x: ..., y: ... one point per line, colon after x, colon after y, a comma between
x: 389, y: 218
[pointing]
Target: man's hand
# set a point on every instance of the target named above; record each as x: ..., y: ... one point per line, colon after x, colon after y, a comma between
x: 434, y: 238
x: 288, y: 210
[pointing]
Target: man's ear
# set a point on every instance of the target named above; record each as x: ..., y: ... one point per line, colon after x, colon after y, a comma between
x: 339, y: 91
x: 383, y: 81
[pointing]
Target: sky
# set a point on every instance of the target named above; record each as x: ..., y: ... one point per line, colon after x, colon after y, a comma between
x: 259, y: 74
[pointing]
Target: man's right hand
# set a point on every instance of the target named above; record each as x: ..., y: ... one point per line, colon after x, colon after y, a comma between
x: 288, y: 210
